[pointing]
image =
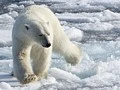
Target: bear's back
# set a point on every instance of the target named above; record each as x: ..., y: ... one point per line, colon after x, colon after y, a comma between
x: 40, y: 12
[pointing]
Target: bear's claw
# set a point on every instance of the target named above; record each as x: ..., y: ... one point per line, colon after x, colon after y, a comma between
x: 29, y: 78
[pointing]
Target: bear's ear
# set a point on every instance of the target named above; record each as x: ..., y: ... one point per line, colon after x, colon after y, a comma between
x: 26, y: 26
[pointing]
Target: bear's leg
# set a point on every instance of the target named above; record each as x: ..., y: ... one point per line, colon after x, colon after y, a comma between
x: 71, y: 52
x: 21, y: 64
x: 41, y: 62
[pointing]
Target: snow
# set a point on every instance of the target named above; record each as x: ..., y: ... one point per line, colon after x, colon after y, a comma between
x: 5, y: 86
x: 81, y: 20
x: 73, y: 33
x: 60, y: 74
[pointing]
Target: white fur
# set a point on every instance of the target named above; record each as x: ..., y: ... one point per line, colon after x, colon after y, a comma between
x: 28, y: 45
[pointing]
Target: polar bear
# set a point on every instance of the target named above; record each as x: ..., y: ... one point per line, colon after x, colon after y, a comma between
x: 36, y: 33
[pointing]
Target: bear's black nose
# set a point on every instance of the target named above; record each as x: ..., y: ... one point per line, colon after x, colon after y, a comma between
x: 48, y: 44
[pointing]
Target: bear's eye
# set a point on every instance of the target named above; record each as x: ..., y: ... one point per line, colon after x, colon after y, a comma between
x: 27, y: 26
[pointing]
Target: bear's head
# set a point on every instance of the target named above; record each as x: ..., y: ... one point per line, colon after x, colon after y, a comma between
x: 38, y: 32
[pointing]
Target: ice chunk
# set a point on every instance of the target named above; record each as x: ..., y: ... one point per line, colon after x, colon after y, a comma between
x: 73, y: 33
x: 5, y: 86
x: 63, y: 75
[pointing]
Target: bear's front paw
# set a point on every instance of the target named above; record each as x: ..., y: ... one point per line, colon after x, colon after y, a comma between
x: 73, y: 61
x: 29, y: 78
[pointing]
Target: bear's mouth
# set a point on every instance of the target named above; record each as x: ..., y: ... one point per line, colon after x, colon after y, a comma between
x: 47, y: 45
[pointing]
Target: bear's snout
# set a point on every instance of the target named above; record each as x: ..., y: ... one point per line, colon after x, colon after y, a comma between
x: 47, y: 45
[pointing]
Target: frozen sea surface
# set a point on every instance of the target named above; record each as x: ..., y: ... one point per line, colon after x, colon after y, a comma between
x: 94, y: 25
